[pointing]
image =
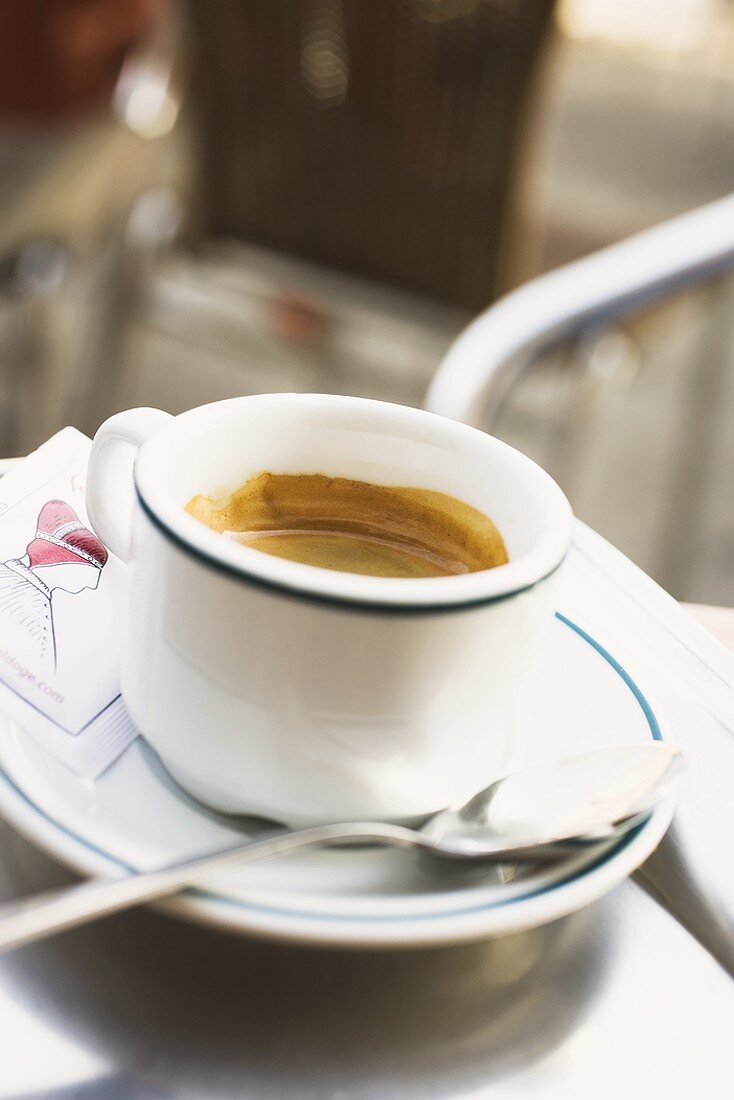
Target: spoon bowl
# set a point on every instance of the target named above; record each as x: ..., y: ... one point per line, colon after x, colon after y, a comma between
x: 544, y: 811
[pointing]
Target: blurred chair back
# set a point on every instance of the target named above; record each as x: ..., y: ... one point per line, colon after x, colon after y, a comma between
x: 373, y: 136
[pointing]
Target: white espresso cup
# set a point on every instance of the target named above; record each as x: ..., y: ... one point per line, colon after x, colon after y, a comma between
x: 280, y: 689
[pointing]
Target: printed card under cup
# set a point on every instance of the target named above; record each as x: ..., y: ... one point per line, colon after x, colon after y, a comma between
x: 61, y: 598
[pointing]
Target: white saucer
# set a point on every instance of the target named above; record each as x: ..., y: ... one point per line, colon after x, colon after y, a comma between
x: 135, y: 817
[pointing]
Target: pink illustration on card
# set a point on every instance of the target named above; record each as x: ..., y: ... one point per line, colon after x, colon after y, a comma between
x: 63, y: 555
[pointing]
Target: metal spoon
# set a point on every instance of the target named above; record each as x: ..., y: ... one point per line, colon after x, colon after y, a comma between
x: 536, y: 814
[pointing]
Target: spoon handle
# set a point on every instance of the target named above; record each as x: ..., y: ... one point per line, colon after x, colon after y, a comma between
x: 52, y: 911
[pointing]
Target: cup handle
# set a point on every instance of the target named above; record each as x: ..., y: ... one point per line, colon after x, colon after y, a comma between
x: 110, y: 496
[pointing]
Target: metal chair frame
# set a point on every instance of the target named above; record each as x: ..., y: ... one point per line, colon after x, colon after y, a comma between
x: 488, y: 358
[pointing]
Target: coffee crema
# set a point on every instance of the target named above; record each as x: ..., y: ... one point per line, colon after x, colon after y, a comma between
x: 354, y: 526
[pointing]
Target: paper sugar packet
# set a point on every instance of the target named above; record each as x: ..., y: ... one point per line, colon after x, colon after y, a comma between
x: 61, y: 601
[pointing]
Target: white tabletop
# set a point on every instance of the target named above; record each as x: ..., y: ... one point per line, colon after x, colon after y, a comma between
x: 620, y: 999
x: 718, y: 620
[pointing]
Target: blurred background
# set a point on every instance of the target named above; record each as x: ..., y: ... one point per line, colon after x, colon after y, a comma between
x: 217, y: 197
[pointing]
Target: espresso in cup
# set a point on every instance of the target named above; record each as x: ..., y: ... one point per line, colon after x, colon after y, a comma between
x: 355, y: 526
